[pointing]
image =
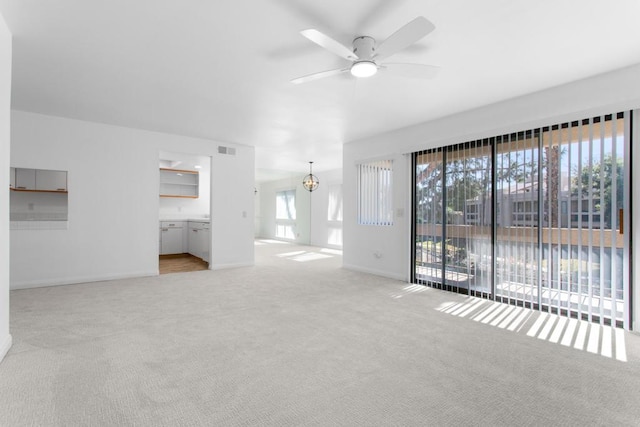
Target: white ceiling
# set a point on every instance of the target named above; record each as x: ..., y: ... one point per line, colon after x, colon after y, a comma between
x: 221, y: 69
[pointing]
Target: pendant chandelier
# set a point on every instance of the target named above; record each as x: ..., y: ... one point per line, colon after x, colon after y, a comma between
x: 310, y: 182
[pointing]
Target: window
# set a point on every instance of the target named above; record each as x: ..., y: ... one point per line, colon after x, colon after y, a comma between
x: 286, y: 204
x: 557, y: 244
x: 285, y: 214
x: 334, y: 215
x: 374, y: 193
x: 335, y: 203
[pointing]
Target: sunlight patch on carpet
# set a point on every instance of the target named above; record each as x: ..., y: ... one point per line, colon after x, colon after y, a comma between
x: 304, y: 256
x: 580, y: 335
x: 290, y: 254
x: 331, y: 251
x: 261, y: 242
x: 409, y: 289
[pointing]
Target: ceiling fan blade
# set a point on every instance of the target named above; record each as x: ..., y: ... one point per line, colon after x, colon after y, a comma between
x: 320, y: 75
x: 330, y: 44
x: 416, y: 71
x: 405, y: 36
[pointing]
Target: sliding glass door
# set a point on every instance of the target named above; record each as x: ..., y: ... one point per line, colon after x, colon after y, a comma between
x: 535, y: 218
x: 469, y: 215
x: 583, y: 207
x: 428, y: 214
x: 517, y: 218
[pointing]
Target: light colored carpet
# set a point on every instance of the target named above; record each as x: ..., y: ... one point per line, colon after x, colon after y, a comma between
x: 295, y: 340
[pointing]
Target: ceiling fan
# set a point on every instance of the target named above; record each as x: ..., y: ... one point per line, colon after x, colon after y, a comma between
x: 367, y: 57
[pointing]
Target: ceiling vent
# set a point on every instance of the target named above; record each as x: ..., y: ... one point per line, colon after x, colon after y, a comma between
x: 226, y: 150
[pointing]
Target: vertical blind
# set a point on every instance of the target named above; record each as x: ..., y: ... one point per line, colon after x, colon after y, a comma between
x: 533, y: 218
x: 375, y: 204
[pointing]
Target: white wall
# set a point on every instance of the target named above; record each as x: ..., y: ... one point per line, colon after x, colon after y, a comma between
x: 257, y: 213
x: 606, y: 93
x: 635, y: 229
x: 113, y: 201
x: 309, y: 207
x: 232, y: 210
x: 5, y: 124
x: 381, y: 250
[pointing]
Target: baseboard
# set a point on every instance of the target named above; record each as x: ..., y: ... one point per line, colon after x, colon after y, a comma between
x: 5, y: 346
x: 381, y: 273
x: 75, y: 280
x: 234, y: 265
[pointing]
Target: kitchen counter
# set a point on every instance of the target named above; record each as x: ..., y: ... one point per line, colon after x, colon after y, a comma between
x: 208, y: 220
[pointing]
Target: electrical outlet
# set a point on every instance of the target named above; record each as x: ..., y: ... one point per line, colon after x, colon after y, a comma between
x: 30, y: 206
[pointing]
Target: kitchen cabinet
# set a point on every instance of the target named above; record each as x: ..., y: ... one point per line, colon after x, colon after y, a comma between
x: 25, y: 179
x: 38, y: 180
x: 12, y: 177
x: 199, y: 239
x: 48, y: 180
x: 177, y: 237
x: 172, y: 237
x: 179, y: 183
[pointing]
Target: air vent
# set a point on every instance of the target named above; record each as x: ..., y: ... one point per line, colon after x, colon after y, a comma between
x: 226, y: 150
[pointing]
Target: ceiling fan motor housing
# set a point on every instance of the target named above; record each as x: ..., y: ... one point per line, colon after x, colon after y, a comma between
x: 364, y: 47
x: 364, y: 54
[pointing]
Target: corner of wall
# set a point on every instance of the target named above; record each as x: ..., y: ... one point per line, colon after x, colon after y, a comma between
x: 5, y: 346
x: 5, y: 144
x: 634, y: 262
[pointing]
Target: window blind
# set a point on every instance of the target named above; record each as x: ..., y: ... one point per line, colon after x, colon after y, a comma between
x: 375, y: 183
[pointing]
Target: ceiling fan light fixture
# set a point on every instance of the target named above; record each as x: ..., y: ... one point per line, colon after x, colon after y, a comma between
x: 364, y: 69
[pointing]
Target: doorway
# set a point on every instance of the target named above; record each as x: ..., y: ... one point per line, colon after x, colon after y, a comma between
x: 184, y: 212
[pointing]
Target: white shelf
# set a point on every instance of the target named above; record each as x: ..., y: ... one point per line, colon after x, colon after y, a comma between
x: 179, y: 183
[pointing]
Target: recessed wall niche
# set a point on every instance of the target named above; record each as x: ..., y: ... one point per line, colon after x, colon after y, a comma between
x: 38, y: 199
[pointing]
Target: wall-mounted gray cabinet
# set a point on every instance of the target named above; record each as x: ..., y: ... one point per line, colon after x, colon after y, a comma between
x: 23, y: 179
